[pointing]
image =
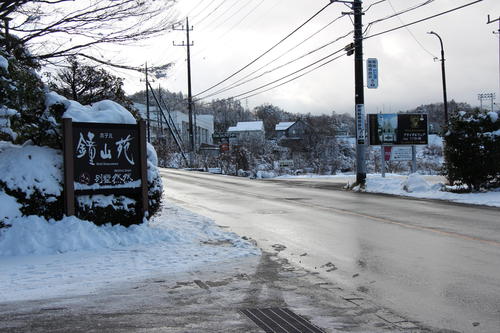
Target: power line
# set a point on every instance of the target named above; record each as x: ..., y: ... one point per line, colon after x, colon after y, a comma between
x: 207, y: 46
x: 244, y: 17
x: 370, y: 24
x: 239, y: 83
x: 266, y: 52
x: 213, y: 11
x: 204, y: 8
x: 422, y: 20
x: 410, y: 32
x: 319, y: 66
x: 296, y: 77
x: 293, y: 73
x: 194, y: 7
x: 373, y: 4
x: 293, y: 48
x: 224, y: 12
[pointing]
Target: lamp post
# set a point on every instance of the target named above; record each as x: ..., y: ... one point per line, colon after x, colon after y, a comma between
x: 443, y: 77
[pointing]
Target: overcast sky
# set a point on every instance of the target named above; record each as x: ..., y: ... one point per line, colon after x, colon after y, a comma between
x: 228, y: 34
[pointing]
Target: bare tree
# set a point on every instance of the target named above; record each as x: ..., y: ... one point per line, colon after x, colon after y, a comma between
x: 56, y: 29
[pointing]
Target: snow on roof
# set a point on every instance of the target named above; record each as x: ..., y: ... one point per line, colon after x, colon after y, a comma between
x: 284, y: 125
x: 244, y: 126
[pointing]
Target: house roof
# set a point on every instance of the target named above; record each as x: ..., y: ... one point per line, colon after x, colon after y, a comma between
x: 284, y: 125
x: 245, y: 126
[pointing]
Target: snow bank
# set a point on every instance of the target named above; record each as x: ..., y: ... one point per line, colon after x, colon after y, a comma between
x: 33, y: 235
x: 416, y: 183
x: 43, y: 259
x: 4, y: 63
x: 416, y: 186
x: 29, y: 168
x: 265, y: 174
x: 493, y: 116
x: 9, y: 208
x: 101, y: 112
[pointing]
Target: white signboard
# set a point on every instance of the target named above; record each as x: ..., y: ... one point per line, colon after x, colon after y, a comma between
x: 286, y: 163
x: 401, y: 153
x: 372, y: 73
x: 360, y: 124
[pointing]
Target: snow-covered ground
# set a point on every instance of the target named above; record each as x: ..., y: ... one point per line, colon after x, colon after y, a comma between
x: 41, y: 259
x: 414, y: 185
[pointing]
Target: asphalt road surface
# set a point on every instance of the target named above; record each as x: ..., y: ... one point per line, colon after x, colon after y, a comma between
x: 434, y: 262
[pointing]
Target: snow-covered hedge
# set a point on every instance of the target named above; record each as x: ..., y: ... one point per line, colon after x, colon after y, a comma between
x: 32, y: 175
x: 472, y: 150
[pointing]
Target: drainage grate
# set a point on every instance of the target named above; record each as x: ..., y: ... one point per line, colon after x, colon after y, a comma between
x: 280, y: 320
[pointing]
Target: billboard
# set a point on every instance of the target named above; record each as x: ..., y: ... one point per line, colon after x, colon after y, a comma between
x: 398, y: 129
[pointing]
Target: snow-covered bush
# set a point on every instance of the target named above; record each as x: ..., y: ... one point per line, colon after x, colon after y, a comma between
x: 472, y: 150
x: 32, y: 177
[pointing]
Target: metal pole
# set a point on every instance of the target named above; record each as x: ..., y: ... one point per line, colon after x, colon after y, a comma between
x: 147, y: 104
x: 413, y: 159
x: 443, y: 76
x: 382, y: 160
x: 359, y: 93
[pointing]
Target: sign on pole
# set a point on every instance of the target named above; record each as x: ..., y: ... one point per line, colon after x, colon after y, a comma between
x: 398, y: 153
x: 372, y: 73
x: 360, y: 124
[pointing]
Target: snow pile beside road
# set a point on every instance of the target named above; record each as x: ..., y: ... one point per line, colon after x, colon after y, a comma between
x: 42, y: 259
x: 416, y: 186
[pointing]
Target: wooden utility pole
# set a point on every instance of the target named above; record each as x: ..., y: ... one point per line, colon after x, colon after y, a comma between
x: 188, y: 45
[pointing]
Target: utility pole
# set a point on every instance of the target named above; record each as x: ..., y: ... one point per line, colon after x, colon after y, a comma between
x: 443, y: 76
x: 356, y: 48
x: 147, y: 105
x: 359, y: 93
x: 188, y: 44
x: 498, y: 33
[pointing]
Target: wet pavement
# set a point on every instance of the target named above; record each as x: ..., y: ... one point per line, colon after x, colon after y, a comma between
x: 432, y: 261
x: 208, y: 300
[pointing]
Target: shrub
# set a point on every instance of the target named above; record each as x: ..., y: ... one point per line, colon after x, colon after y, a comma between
x: 472, y: 150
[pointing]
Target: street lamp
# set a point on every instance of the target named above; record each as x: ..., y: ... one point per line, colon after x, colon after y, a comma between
x: 443, y: 77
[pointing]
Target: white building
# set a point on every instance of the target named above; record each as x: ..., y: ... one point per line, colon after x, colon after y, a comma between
x: 203, y: 124
x: 248, y: 130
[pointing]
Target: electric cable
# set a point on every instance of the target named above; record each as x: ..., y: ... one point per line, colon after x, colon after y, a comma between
x: 294, y: 78
x: 222, y: 14
x: 293, y: 73
x: 266, y: 52
x: 374, y: 35
x: 207, y: 45
x: 213, y: 11
x: 410, y: 32
x: 293, y: 48
x: 373, y: 4
x: 236, y: 84
x: 204, y: 8
x: 370, y: 24
x: 422, y: 20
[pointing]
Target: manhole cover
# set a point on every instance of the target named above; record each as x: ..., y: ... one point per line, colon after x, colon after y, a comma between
x: 280, y: 320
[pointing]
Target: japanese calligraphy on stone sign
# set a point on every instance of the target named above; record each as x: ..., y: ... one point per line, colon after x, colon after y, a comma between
x: 106, y: 156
